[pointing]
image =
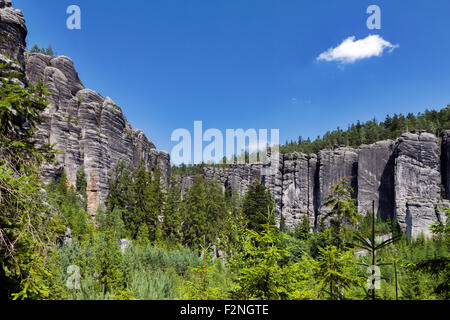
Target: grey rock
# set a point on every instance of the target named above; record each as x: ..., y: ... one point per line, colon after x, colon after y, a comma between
x: 298, y: 188
x: 124, y: 244
x: 335, y: 165
x: 5, y: 3
x: 67, y: 236
x: 13, y: 32
x: 376, y: 178
x: 185, y: 184
x: 417, y: 182
x: 86, y: 128
x: 446, y: 163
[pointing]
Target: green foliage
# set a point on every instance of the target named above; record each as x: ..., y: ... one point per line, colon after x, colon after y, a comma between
x: 72, y: 206
x: 20, y: 112
x: 172, y: 226
x: 204, y: 212
x: 143, y: 238
x: 255, y: 204
x: 342, y: 214
x: 29, y: 227
x: 368, y: 242
x: 336, y: 272
x: 302, y: 230
x: 47, y: 51
x: 207, y: 282
x: 263, y: 274
x: 81, y: 182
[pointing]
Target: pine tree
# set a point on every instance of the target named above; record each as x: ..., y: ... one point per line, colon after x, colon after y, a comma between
x: 255, y: 204
x: 156, y: 199
x: 263, y: 277
x: 336, y: 272
x: 173, y: 213
x: 28, y: 227
x: 302, y: 230
x: 81, y: 182
x: 343, y: 212
x: 203, y: 210
x: 120, y: 194
x: 143, y: 237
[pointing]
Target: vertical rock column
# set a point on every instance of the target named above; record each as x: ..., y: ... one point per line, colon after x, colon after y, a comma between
x: 417, y: 182
x: 446, y: 163
x: 272, y: 178
x: 298, y: 188
x: 335, y: 165
x: 376, y: 178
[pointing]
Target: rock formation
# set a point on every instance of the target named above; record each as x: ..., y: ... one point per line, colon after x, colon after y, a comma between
x: 13, y: 32
x: 403, y: 177
x: 298, y: 188
x: 446, y: 163
x: 417, y: 181
x: 406, y: 178
x: 335, y: 165
x: 87, y: 129
x: 376, y: 178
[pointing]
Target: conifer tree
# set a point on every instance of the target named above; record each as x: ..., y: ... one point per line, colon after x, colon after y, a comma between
x: 141, y: 192
x: 121, y: 193
x: 156, y: 198
x: 28, y: 227
x: 172, y: 212
x: 143, y: 237
x: 255, y: 204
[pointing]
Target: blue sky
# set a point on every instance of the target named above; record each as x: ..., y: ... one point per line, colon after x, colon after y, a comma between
x: 250, y: 63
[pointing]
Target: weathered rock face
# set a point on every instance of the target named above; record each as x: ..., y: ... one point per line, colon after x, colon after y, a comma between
x: 446, y: 163
x: 298, y: 188
x: 376, y: 178
x: 237, y: 177
x: 272, y: 178
x: 335, y: 165
x: 403, y: 177
x: 87, y: 129
x: 417, y: 181
x: 13, y: 32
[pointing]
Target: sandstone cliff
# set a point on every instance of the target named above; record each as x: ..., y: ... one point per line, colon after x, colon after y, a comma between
x: 86, y: 128
x: 403, y: 177
x: 407, y: 178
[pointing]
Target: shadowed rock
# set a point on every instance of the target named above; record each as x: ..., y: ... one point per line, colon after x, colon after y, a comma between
x: 446, y: 163
x: 376, y: 178
x: 334, y: 166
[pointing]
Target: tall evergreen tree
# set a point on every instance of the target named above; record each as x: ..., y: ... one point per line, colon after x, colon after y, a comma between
x: 172, y: 212
x: 257, y: 201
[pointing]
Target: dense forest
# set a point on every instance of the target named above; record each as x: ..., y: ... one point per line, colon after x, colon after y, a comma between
x: 151, y: 241
x: 372, y: 131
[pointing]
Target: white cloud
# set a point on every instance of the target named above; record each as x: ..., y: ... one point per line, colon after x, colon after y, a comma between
x: 350, y: 50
